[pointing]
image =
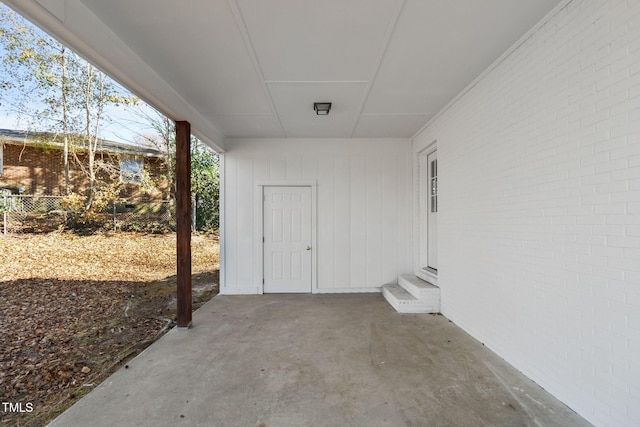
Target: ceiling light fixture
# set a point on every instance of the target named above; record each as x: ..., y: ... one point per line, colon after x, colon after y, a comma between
x: 322, y: 108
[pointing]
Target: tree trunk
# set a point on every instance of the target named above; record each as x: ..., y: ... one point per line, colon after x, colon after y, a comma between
x: 65, y: 124
x: 90, y: 151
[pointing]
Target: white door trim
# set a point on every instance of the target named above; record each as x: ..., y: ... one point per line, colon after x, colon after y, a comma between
x: 422, y: 271
x: 259, y: 226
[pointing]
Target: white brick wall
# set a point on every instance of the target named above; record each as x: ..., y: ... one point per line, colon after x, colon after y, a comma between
x: 539, y: 222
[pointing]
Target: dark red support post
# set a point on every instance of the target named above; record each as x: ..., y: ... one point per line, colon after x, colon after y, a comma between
x: 183, y: 222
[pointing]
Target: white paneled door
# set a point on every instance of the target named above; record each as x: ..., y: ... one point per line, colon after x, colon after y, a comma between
x: 287, y: 239
x: 432, y: 212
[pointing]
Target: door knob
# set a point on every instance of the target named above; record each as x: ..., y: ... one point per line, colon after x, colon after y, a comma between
x: 308, y: 248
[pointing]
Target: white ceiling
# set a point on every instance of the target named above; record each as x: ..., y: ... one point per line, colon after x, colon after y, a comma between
x: 253, y: 68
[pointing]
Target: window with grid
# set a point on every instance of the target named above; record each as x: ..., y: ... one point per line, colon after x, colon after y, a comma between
x: 433, y: 186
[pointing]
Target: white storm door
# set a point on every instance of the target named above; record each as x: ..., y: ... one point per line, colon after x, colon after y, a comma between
x: 287, y: 239
x: 432, y: 211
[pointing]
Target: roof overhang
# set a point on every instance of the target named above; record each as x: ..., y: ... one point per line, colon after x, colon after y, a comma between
x: 243, y: 68
x: 77, y: 27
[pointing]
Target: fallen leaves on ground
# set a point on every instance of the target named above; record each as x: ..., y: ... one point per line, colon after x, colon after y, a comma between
x: 74, y: 308
x: 118, y: 256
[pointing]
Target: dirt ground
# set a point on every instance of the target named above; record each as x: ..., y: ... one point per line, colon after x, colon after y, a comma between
x: 76, y: 308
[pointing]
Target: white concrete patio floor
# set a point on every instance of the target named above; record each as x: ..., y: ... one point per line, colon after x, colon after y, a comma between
x: 317, y: 360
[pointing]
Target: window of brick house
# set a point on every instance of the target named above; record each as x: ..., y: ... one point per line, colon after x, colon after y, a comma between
x: 131, y: 171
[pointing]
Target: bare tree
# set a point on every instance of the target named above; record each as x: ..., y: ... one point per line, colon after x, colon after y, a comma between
x: 56, y: 92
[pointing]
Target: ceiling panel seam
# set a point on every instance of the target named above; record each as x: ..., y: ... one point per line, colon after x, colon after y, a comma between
x: 251, y: 51
x: 394, y: 114
x: 391, y: 27
x: 315, y: 81
x: 240, y: 114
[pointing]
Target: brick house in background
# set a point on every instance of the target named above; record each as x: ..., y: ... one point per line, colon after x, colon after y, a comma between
x: 32, y: 163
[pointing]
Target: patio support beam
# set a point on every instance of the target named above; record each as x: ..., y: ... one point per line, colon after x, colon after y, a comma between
x: 183, y: 223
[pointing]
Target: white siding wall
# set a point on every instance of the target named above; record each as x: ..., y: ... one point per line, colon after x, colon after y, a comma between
x: 363, y: 199
x: 539, y: 238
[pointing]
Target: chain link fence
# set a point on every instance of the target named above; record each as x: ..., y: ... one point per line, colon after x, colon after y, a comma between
x: 144, y: 216
x: 31, y: 214
x: 43, y: 214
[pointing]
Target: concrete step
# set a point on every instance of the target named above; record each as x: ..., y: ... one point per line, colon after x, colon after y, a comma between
x: 418, y: 287
x: 403, y: 302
